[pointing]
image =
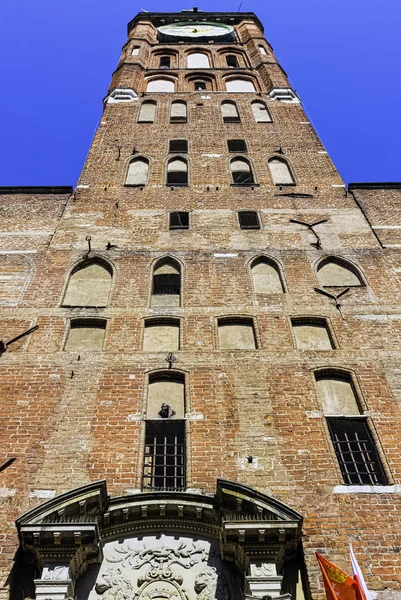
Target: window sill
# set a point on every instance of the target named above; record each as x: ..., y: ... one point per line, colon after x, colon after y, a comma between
x: 367, y: 489
x: 245, y: 185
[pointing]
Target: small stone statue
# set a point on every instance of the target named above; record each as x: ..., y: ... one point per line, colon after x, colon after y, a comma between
x: 166, y: 412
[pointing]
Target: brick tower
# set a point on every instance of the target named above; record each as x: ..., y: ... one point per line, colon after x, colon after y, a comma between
x: 200, y: 384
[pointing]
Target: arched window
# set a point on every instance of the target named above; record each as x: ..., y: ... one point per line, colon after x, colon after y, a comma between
x: 266, y: 277
x: 164, y: 457
x: 161, y: 335
x: 166, y: 284
x: 236, y: 333
x: 241, y: 171
x: 178, y: 112
x: 311, y: 334
x: 280, y: 172
x: 229, y: 112
x: 14, y: 276
x: 337, y: 272
x: 160, y: 85
x: 177, y: 171
x: 164, y: 62
x: 349, y: 431
x: 260, y: 112
x: 232, y: 61
x: 147, y: 112
x: 86, y: 335
x: 240, y: 85
x: 198, y: 60
x: 137, y: 172
x: 89, y: 285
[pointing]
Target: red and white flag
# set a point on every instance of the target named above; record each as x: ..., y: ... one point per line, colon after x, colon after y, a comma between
x: 357, y: 574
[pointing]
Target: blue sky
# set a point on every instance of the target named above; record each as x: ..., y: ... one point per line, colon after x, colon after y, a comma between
x: 342, y: 56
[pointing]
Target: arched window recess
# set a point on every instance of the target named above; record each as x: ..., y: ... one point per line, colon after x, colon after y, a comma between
x: 266, y: 276
x: 241, y: 172
x: 137, y: 173
x: 280, y: 171
x: 177, y: 171
x: 89, y: 284
x: 334, y: 271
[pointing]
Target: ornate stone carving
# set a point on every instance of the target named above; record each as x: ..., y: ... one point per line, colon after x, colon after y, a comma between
x: 210, y: 585
x: 160, y: 574
x: 159, y: 555
x: 113, y: 585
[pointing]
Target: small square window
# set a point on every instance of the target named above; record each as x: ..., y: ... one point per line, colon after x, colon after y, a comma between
x: 179, y: 220
x: 200, y: 85
x: 178, y: 146
x: 236, y: 146
x: 164, y: 62
x: 249, y: 219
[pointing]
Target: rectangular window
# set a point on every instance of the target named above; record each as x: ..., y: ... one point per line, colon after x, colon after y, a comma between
x: 164, y: 62
x: 178, y: 146
x: 179, y: 220
x: 356, y: 452
x: 164, y: 461
x: 249, y: 219
x: 236, y: 146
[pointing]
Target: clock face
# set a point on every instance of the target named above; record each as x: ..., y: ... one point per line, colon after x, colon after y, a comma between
x: 196, y: 31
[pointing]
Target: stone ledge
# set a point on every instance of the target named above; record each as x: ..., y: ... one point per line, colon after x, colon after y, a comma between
x: 367, y: 489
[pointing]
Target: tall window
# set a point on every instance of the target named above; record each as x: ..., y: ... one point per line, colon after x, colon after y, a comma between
x: 280, y: 171
x: 89, y: 285
x: 334, y: 272
x: 266, y: 277
x: 160, y: 85
x: 137, y: 174
x: 164, y: 461
x: 147, y: 112
x: 166, y: 285
x: 239, y: 85
x: 260, y: 112
x: 349, y: 431
x: 229, y: 112
x: 177, y: 171
x: 198, y: 60
x: 241, y: 171
x: 178, y: 112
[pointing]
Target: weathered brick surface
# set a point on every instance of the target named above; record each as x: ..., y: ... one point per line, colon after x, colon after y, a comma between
x: 71, y: 418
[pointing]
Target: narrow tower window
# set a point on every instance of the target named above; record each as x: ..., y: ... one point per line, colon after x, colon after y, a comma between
x: 266, y: 277
x: 137, y: 172
x: 248, y: 219
x: 241, y: 172
x: 280, y: 172
x: 260, y: 112
x: 166, y: 286
x: 178, y: 112
x: 232, y: 61
x: 147, y: 112
x: 177, y: 172
x: 89, y: 285
x: 229, y: 112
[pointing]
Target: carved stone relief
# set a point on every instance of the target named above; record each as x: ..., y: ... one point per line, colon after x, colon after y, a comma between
x: 164, y: 567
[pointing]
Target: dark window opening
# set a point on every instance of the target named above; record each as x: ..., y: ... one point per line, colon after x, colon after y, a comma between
x: 177, y: 172
x: 236, y: 146
x: 166, y: 284
x: 164, y: 62
x: 164, y: 462
x: 249, y: 219
x: 178, y: 146
x: 232, y: 61
x: 241, y: 172
x: 356, y: 452
x: 179, y: 220
x: 200, y: 85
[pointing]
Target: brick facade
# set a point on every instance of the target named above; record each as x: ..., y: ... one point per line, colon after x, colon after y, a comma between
x: 71, y: 418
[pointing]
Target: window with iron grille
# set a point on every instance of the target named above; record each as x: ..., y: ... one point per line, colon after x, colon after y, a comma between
x: 236, y: 146
x: 249, y: 219
x: 179, y: 220
x: 178, y: 146
x: 356, y: 452
x: 164, y: 461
